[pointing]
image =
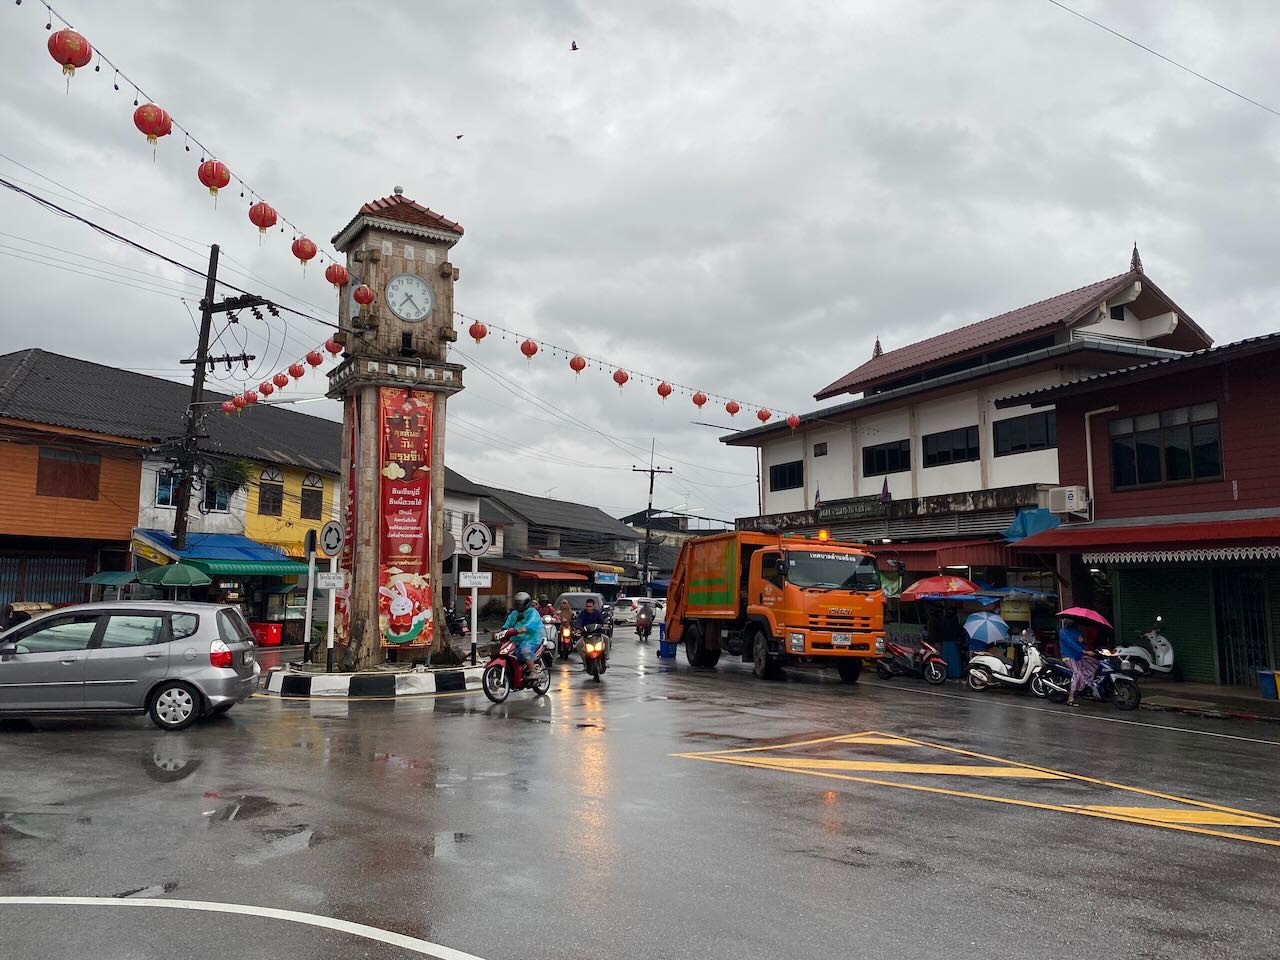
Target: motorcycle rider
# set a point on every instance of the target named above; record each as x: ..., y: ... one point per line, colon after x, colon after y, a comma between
x: 545, y: 609
x: 644, y: 619
x: 589, y: 615
x: 527, y: 623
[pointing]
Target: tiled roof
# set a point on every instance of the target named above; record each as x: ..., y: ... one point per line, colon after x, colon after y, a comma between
x: 562, y: 515
x: 400, y: 208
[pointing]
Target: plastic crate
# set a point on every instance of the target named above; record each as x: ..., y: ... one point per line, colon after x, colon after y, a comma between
x: 267, y: 634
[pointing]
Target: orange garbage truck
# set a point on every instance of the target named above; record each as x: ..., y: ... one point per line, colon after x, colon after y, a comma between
x: 777, y: 600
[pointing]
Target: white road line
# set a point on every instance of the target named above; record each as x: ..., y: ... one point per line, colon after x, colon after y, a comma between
x: 413, y: 944
x: 1076, y: 716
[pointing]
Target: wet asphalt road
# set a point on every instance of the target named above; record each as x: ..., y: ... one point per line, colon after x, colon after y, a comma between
x: 569, y: 828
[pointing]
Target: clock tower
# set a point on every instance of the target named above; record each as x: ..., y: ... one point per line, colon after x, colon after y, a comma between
x: 394, y: 382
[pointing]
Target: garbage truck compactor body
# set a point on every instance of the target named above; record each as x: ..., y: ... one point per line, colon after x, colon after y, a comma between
x: 777, y: 600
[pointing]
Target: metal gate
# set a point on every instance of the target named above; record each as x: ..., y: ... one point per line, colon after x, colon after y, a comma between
x: 1240, y: 606
x: 55, y: 580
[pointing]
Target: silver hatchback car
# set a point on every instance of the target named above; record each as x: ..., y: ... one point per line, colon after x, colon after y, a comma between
x: 173, y: 660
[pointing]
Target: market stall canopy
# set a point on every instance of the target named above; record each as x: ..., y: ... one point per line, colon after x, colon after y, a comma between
x: 944, y: 587
x: 175, y: 575
x: 111, y: 578
x: 222, y: 554
x: 1030, y: 522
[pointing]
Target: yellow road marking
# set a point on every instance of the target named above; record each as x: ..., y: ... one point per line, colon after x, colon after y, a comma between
x: 884, y: 766
x: 876, y: 739
x: 1171, y: 815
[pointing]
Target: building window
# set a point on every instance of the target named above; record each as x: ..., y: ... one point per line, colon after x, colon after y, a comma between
x: 271, y: 493
x: 894, y: 457
x: 1035, y: 431
x: 64, y: 473
x: 217, y: 498
x: 951, y: 446
x: 1174, y: 446
x: 819, y: 449
x: 166, y: 489
x: 786, y: 476
x: 312, y: 497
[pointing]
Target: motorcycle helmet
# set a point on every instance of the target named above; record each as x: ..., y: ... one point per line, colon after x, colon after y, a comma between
x: 544, y: 600
x: 522, y: 601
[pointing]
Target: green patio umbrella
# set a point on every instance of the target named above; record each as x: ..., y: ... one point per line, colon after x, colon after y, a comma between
x: 174, y: 575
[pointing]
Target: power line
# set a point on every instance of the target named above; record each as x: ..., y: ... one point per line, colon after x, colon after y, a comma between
x: 1168, y: 60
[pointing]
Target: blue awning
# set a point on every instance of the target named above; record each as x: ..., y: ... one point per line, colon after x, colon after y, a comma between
x: 1028, y: 523
x: 224, y: 553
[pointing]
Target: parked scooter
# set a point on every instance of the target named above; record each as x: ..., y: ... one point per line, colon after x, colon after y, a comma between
x: 1111, y: 683
x: 457, y: 624
x: 595, y: 650
x: 505, y: 671
x: 1155, y: 659
x: 1021, y: 672
x: 900, y: 660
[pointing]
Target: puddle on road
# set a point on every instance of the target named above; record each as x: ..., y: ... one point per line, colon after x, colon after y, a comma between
x: 444, y: 846
x: 280, y: 842
x: 35, y: 825
x: 245, y: 807
x: 155, y: 890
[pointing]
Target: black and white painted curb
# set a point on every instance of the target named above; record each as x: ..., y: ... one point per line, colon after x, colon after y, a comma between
x: 292, y: 683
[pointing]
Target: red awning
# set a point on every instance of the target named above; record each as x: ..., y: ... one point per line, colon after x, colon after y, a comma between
x: 1070, y: 539
x: 931, y: 556
x: 559, y: 576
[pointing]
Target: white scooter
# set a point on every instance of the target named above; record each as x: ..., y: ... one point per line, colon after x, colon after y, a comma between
x: 1021, y: 673
x: 1155, y: 659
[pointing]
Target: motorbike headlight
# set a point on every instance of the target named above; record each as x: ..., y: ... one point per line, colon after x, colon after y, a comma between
x: 795, y: 641
x: 879, y: 644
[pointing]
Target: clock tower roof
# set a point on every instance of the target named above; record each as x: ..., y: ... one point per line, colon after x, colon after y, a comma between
x: 398, y: 212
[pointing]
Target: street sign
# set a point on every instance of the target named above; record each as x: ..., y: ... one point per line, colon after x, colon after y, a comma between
x: 606, y: 578
x: 331, y: 537
x: 476, y: 539
x: 450, y: 547
x: 481, y: 580
x: 328, y: 581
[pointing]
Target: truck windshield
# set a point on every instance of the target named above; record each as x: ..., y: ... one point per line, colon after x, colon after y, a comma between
x: 832, y: 571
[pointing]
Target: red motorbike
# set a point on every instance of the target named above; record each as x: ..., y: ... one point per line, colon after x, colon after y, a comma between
x: 505, y: 671
x: 900, y: 660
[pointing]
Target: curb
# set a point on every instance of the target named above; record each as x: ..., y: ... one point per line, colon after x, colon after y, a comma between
x: 1212, y: 714
x: 286, y: 683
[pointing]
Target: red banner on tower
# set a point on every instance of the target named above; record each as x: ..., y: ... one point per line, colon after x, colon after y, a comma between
x: 404, y: 550
x: 342, y: 602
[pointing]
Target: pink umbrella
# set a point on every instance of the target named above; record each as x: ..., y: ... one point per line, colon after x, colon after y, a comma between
x: 1084, y: 613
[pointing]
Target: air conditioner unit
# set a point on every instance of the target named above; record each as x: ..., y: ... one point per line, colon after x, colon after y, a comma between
x: 1069, y: 500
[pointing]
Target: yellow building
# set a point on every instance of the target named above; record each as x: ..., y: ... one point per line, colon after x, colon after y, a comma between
x: 283, y: 503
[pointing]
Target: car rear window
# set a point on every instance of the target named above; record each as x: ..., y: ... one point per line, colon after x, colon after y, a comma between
x: 232, y: 628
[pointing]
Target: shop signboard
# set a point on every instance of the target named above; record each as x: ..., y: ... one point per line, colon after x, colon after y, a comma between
x: 851, y: 509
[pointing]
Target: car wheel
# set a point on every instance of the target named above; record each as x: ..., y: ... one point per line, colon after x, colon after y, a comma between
x: 174, y: 705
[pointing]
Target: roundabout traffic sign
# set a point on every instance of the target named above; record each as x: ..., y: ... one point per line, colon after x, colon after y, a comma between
x: 476, y: 539
x: 331, y: 537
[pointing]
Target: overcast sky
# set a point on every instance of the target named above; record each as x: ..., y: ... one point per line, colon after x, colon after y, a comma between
x: 736, y: 195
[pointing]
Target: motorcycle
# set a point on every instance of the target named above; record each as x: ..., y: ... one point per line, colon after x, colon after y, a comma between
x: 565, y: 641
x: 457, y: 624
x: 1155, y: 659
x: 644, y: 623
x: 505, y: 671
x: 900, y: 660
x: 1024, y: 671
x: 1111, y: 684
x: 595, y: 650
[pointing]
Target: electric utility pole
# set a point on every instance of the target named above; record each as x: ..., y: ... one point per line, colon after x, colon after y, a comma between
x: 188, y: 455
x: 652, y: 471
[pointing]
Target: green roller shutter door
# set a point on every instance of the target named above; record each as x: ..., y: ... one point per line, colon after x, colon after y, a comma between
x: 1183, y: 595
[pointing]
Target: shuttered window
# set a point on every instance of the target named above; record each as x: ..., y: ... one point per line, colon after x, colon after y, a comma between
x: 68, y: 474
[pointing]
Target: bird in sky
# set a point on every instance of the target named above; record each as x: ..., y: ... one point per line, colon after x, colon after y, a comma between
x: 458, y: 137
x: 573, y: 45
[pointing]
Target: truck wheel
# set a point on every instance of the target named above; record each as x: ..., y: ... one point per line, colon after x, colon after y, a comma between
x: 849, y: 670
x: 710, y: 657
x: 693, y: 645
x: 763, y: 665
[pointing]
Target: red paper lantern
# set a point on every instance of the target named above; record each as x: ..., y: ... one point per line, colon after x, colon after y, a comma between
x: 364, y: 295
x: 239, y: 402
x: 250, y: 396
x: 228, y: 407
x: 577, y: 364
x: 793, y: 421
x: 266, y: 388
x: 336, y: 274
x: 664, y: 390
x: 297, y: 371
x: 333, y: 346
x: 154, y: 121
x: 214, y: 175
x: 478, y: 331
x: 620, y: 377
x: 71, y: 50
x: 763, y: 415
x: 528, y: 348
x: 263, y: 216
x: 315, y: 358
x: 732, y: 407
x: 699, y: 399
x: 280, y: 380
x: 303, y: 249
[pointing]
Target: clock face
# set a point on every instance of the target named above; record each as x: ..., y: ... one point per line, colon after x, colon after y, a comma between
x: 409, y: 297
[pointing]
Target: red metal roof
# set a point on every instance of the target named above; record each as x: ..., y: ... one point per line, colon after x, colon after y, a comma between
x: 1053, y: 312
x: 934, y: 555
x: 400, y: 208
x: 1153, y: 535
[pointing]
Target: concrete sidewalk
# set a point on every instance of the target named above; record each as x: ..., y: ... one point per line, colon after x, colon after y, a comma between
x: 1209, y: 700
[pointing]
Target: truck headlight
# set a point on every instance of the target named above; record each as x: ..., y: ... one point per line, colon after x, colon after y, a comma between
x: 795, y: 642
x: 879, y: 644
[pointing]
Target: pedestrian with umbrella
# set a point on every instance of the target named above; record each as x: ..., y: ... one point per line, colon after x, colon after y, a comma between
x: 1071, y: 647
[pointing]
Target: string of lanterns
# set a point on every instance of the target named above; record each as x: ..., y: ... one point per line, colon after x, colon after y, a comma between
x: 295, y: 371
x: 72, y: 51
x: 530, y: 347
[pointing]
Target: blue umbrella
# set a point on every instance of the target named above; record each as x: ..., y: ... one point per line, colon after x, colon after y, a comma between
x: 985, y: 629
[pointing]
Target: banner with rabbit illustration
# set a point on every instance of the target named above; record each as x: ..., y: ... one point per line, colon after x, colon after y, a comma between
x: 404, y: 569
